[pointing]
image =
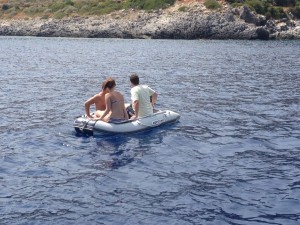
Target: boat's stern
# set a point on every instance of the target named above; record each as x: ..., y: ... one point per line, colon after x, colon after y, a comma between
x: 83, y: 125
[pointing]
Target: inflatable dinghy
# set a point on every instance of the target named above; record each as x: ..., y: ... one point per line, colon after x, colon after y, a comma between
x: 84, y: 125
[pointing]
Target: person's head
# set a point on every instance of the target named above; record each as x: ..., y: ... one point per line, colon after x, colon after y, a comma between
x: 109, y: 83
x: 134, y: 79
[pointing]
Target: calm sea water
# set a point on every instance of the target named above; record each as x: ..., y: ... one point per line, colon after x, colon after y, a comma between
x: 233, y: 158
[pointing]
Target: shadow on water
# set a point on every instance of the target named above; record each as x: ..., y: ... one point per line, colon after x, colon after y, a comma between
x: 118, y: 150
x: 115, y: 146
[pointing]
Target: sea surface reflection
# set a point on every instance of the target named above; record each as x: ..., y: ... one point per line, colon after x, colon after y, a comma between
x: 233, y: 158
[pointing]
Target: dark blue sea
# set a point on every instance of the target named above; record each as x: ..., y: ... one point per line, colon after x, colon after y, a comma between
x: 233, y: 157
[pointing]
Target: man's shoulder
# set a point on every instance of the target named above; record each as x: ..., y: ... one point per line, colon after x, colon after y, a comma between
x: 141, y: 86
x: 147, y: 88
x: 135, y: 88
x: 98, y: 96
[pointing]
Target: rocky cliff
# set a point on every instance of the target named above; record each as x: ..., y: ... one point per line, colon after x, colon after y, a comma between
x: 195, y: 22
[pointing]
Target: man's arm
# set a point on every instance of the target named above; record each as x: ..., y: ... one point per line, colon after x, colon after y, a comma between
x: 135, y: 106
x: 87, y: 106
x: 154, y: 98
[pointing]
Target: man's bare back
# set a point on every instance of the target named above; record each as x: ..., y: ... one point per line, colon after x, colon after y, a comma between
x: 98, y: 100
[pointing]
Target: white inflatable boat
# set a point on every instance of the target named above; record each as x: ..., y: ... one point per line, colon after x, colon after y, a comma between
x: 91, y: 127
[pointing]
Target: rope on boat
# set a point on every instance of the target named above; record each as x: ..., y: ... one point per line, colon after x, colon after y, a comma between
x: 85, y: 125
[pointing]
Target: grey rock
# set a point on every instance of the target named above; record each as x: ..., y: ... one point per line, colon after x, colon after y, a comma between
x: 231, y: 24
x: 251, y: 17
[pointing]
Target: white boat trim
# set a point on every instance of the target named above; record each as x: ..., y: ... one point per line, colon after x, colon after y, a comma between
x: 84, y: 125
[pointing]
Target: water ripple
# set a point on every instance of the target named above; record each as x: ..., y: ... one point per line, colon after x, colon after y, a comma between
x: 232, y: 159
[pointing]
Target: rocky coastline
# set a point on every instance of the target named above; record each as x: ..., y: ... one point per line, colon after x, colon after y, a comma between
x: 195, y: 23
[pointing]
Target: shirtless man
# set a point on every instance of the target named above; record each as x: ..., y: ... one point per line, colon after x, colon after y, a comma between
x: 99, y: 101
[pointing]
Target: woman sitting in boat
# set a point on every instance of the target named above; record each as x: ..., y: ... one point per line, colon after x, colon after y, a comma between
x: 115, y: 108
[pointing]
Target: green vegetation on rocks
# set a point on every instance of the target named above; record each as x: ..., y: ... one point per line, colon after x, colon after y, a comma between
x: 212, y: 4
x: 66, y: 8
x: 274, y: 9
x: 148, y: 4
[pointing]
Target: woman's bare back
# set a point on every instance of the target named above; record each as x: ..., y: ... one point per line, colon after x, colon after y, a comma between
x: 117, y: 105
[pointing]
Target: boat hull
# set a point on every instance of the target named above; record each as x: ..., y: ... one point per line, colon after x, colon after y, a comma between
x: 91, y: 127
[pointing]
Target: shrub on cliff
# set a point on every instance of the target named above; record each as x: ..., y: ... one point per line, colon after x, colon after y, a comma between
x: 149, y: 4
x: 270, y: 8
x: 286, y: 3
x: 212, y: 4
x: 97, y: 7
x: 182, y: 9
x: 5, y: 7
x: 296, y: 10
x: 261, y: 7
x: 276, y: 13
x: 56, y: 6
